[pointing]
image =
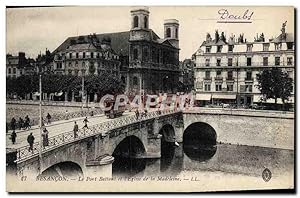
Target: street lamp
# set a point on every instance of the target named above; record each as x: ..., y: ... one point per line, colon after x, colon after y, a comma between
x: 41, y: 122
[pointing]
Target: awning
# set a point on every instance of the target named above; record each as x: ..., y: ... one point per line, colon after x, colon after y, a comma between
x: 36, y: 94
x: 258, y: 98
x: 223, y: 96
x: 203, y: 96
x: 58, y: 94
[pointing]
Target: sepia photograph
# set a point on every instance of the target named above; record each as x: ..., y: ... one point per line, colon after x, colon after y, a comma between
x: 150, y: 98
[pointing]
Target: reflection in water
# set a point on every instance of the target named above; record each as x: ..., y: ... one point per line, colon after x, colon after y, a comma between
x: 199, y: 153
x: 128, y: 166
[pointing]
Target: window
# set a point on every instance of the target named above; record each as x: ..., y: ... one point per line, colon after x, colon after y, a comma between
x: 207, y: 74
x: 83, y: 55
x: 9, y: 70
x: 70, y: 71
x: 289, y: 60
x: 145, y: 54
x: 249, y: 61
x: 70, y: 64
x: 59, y: 65
x: 70, y: 55
x: 206, y: 87
x: 249, y: 47
x: 207, y: 62
x: 145, y: 22
x: 208, y: 48
x: 83, y: 64
x: 168, y: 32
x: 14, y: 70
x: 265, y: 61
x: 76, y: 64
x: 229, y: 61
x: 136, y: 21
x: 229, y: 75
x: 218, y: 87
x: 98, y: 55
x: 83, y: 71
x: 218, y: 62
x: 135, y: 54
x: 277, y: 46
x: 277, y: 61
x: 219, y: 73
x: 219, y: 48
x: 92, y: 54
x: 230, y: 87
x: 176, y: 33
x: 230, y: 48
x: 266, y: 47
x: 248, y: 75
x: 76, y: 72
x: 77, y: 55
x: 289, y: 45
x: 248, y: 88
x: 135, y: 81
x: 21, y: 72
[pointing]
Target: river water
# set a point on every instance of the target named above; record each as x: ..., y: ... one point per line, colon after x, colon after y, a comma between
x: 222, y: 158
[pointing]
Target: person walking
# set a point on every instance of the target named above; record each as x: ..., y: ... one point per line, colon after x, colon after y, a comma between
x: 13, y: 137
x: 137, y: 114
x: 13, y: 124
x: 30, y: 140
x: 27, y: 122
x: 21, y: 123
x: 45, y: 137
x: 75, y: 130
x: 48, y: 119
x: 67, y: 115
x: 85, y: 121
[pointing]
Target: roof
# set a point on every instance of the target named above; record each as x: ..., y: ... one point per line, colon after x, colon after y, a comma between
x: 288, y: 38
x: 119, y: 41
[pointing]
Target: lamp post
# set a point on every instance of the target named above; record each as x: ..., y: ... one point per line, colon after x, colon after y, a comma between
x: 82, y: 89
x: 41, y: 122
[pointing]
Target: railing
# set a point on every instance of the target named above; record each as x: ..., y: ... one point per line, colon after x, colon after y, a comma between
x: 68, y: 137
x: 62, y: 116
x: 244, y: 64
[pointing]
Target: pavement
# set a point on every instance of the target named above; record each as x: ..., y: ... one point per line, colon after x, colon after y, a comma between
x: 57, y: 128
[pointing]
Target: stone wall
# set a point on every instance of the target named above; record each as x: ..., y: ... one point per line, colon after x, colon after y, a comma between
x: 263, y: 131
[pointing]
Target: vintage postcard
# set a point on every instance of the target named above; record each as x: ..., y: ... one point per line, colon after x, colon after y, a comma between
x: 150, y: 98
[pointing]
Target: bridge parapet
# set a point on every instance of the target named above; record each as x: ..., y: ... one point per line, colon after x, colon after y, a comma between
x: 102, y: 129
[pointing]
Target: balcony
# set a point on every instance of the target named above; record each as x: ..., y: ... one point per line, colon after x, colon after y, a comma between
x: 207, y: 78
x: 248, y: 79
x: 218, y: 78
x: 229, y: 79
x: 244, y: 64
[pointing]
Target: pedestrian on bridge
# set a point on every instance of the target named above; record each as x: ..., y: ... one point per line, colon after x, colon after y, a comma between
x: 75, y: 130
x: 21, y: 123
x: 13, y: 137
x: 13, y: 124
x: 27, y: 123
x: 48, y: 119
x: 30, y: 140
x: 137, y: 114
x: 45, y: 137
x: 85, y: 121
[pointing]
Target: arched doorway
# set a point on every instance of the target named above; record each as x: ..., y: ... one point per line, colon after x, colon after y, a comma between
x: 199, y: 141
x: 129, y: 157
x: 66, y: 169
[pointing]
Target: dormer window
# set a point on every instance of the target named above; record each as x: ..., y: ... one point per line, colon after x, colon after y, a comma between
x: 146, y: 22
x: 208, y: 48
x: 266, y: 47
x: 230, y: 48
x: 219, y: 48
x: 168, y: 32
x: 249, y: 47
x: 289, y: 45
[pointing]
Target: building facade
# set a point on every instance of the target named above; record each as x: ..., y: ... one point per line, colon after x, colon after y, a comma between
x: 145, y: 62
x: 226, y: 70
x: 17, y: 66
x: 86, y: 55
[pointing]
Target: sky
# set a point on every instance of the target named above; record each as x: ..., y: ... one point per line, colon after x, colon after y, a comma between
x: 32, y: 30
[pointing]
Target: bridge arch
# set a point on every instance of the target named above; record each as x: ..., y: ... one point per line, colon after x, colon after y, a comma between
x: 168, y: 133
x: 130, y: 146
x: 199, y: 141
x: 66, y: 169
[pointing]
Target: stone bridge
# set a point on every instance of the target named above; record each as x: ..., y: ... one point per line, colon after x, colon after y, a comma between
x: 92, y: 152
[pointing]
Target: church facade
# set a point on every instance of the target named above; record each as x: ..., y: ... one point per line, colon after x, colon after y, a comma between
x: 146, y: 63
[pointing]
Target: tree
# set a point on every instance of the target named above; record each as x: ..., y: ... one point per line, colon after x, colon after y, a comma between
x: 275, y: 83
